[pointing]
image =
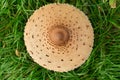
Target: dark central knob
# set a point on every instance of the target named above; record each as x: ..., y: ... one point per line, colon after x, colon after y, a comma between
x: 59, y: 35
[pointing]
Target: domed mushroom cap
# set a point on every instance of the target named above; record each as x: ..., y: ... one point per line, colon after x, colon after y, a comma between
x: 59, y: 37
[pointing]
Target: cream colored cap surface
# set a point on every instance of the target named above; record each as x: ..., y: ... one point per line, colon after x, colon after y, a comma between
x: 59, y: 37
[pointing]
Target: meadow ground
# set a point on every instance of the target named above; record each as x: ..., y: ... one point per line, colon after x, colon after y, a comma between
x: 103, y: 63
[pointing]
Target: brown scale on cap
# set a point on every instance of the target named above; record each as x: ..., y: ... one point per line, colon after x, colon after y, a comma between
x: 59, y: 37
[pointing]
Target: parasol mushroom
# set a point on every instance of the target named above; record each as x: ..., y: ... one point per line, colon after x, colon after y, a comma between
x: 59, y: 37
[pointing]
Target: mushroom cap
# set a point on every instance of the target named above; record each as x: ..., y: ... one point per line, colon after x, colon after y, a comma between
x: 59, y: 37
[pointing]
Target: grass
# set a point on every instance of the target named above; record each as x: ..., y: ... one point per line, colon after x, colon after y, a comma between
x: 103, y: 63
